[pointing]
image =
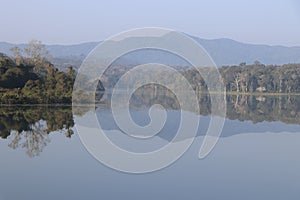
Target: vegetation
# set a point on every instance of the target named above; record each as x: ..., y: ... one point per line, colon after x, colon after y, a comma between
x: 261, y: 78
x: 254, y: 78
x: 29, y: 78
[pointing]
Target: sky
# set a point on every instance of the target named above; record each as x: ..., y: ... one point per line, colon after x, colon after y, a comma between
x: 273, y: 22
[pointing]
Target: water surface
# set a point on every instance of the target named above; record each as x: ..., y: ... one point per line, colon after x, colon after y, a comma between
x: 257, y: 156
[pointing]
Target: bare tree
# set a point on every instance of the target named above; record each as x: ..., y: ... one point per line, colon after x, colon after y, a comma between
x: 17, y: 54
x: 237, y: 80
x: 33, y: 141
x: 38, y: 56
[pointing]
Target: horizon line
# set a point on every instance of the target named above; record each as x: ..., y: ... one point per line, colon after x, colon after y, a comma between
x: 192, y: 36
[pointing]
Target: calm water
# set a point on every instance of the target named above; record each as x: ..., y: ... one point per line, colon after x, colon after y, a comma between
x: 257, y: 156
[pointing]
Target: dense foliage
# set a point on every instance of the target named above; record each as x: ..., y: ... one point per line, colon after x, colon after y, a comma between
x: 32, y: 79
x: 261, y: 78
x: 254, y: 78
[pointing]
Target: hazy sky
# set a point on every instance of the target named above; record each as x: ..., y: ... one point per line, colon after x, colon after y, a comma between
x: 275, y: 22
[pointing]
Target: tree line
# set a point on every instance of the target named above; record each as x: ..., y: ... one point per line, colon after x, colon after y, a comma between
x: 29, y: 78
x: 253, y: 78
x: 260, y: 78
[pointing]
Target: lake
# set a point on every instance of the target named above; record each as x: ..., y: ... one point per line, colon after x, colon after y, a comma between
x: 256, y: 157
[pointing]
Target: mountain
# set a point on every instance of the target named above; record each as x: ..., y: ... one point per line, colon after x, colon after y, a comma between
x: 60, y: 51
x: 62, y: 55
x: 223, y: 52
x: 230, y: 52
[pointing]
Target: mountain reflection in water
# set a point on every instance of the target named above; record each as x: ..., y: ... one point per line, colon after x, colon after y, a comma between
x: 29, y: 127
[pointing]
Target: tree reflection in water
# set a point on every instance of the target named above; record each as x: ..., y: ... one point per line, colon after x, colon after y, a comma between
x: 29, y: 127
x: 255, y: 108
x: 33, y: 140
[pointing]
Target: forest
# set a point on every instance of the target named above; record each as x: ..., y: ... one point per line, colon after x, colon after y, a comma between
x: 255, y: 78
x: 260, y: 78
x: 28, y: 77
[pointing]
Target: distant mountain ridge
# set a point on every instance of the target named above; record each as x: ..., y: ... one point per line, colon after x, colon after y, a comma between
x: 231, y: 52
x: 223, y: 52
x: 56, y: 50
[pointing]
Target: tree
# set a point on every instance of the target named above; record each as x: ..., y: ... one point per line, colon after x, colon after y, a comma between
x: 242, y: 64
x: 257, y: 63
x: 237, y: 80
x: 17, y: 54
x: 37, y: 55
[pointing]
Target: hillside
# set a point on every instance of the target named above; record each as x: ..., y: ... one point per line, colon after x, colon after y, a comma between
x: 223, y: 52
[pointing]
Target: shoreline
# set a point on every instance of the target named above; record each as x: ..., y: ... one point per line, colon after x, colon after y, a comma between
x: 201, y: 93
